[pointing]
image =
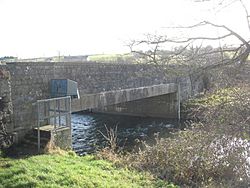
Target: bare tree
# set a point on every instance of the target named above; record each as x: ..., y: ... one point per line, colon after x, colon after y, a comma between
x: 190, y: 57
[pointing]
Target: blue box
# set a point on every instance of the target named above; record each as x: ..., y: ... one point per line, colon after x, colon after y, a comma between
x: 63, y: 87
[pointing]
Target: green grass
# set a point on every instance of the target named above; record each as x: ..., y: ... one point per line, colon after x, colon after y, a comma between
x: 103, y: 58
x: 221, y: 96
x: 70, y: 171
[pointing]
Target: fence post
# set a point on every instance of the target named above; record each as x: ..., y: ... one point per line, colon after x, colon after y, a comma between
x: 38, y: 127
x: 69, y: 114
x: 178, y: 103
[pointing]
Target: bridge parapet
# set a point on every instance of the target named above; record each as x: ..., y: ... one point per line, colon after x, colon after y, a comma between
x: 100, y: 100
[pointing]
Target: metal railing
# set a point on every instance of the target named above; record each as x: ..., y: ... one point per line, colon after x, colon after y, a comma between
x: 55, y: 112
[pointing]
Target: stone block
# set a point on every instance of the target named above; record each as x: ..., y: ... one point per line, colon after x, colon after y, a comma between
x: 62, y: 138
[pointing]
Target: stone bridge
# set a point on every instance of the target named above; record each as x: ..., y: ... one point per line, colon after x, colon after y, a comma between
x: 127, y: 88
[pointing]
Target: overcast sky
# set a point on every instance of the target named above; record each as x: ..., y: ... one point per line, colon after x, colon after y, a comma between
x: 35, y: 28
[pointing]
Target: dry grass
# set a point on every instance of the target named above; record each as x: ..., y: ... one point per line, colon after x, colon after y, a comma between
x: 51, y: 148
x: 212, y: 153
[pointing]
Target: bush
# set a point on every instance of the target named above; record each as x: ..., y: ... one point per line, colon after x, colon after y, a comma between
x: 227, y: 110
x: 215, y: 151
x: 195, y: 157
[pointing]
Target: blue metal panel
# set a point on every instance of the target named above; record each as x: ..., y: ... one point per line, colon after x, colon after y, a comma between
x: 58, y: 88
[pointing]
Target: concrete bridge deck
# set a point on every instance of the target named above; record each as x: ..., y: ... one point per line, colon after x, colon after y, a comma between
x: 100, y: 100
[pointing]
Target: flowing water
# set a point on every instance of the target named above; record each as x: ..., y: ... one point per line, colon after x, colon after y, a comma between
x: 87, y: 129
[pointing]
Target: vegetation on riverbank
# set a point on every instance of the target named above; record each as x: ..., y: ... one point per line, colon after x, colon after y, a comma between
x: 211, y: 152
x: 69, y: 170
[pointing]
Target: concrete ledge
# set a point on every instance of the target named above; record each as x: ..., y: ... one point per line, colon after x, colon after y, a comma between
x: 100, y: 100
x: 60, y: 137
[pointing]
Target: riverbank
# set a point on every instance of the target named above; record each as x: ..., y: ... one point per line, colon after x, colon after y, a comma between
x: 70, y: 170
x: 212, y: 151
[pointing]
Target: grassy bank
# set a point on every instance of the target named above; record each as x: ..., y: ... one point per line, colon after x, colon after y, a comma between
x: 69, y: 170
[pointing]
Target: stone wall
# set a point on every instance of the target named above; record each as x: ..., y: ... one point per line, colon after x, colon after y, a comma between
x: 30, y: 82
x: 5, y: 105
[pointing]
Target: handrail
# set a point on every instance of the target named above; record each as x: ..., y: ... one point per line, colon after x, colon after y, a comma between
x: 51, y: 99
x: 51, y: 109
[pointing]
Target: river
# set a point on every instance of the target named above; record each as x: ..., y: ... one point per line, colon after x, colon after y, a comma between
x: 87, y: 129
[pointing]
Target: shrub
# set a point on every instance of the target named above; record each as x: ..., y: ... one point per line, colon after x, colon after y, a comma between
x: 215, y: 151
x: 195, y: 157
x: 227, y: 110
